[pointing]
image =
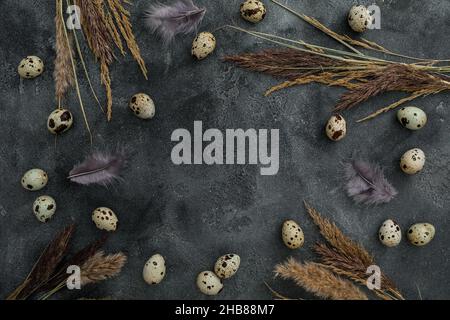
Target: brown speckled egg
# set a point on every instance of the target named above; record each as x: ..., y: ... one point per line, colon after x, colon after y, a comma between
x: 336, y: 128
x: 142, y: 106
x: 59, y: 121
x: 105, y: 219
x: 253, y: 10
x: 203, y: 45
x: 30, y: 67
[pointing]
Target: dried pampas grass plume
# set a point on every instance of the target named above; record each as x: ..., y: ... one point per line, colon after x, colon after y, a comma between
x: 63, y: 73
x: 319, y: 280
x: 100, y: 267
x: 348, y: 258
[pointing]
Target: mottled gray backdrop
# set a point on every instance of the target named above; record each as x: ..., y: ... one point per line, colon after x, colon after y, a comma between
x: 194, y: 214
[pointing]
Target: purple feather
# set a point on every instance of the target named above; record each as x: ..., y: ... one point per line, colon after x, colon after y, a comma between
x: 181, y: 17
x: 366, y: 183
x: 98, y: 168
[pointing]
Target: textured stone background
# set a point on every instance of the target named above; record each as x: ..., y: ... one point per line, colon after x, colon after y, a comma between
x: 193, y: 214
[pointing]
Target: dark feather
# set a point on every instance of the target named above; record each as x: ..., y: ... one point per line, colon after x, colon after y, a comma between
x: 98, y: 168
x: 366, y: 183
x: 181, y: 17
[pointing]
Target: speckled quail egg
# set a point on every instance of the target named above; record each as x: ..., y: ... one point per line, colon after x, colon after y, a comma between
x: 412, y: 161
x: 154, y: 269
x: 34, y: 179
x: 105, y: 219
x: 44, y: 208
x: 208, y: 283
x: 203, y: 45
x: 59, y: 121
x: 336, y: 128
x: 227, y: 265
x: 390, y: 234
x: 292, y: 234
x: 30, y: 67
x: 412, y: 118
x: 359, y: 18
x: 420, y: 234
x: 142, y: 106
x: 253, y: 10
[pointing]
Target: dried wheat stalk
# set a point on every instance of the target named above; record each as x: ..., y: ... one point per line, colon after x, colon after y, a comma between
x: 319, y: 280
x: 63, y: 73
x: 346, y: 257
x: 45, y: 265
x: 100, y: 267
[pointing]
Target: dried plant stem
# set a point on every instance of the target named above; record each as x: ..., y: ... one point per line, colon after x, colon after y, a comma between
x: 45, y: 265
x: 395, y: 105
x: 86, y: 122
x: 347, y: 41
x: 83, y: 63
x: 319, y: 26
x: 319, y: 280
x: 346, y: 257
x: 63, y: 74
x: 121, y: 16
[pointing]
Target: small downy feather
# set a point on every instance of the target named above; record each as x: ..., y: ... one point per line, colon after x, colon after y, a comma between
x: 366, y: 183
x: 181, y: 17
x: 98, y: 168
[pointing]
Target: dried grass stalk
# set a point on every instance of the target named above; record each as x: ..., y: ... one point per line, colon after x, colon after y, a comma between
x: 347, y: 257
x: 77, y: 259
x: 122, y: 18
x: 63, y: 73
x: 319, y: 280
x: 45, y: 265
x: 100, y: 267
x: 363, y: 79
x: 99, y: 41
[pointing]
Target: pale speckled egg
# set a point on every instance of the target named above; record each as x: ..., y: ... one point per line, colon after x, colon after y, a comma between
x: 420, y: 234
x: 336, y: 128
x: 208, y: 283
x: 154, y: 269
x: 44, y: 208
x: 105, y: 219
x: 227, y: 265
x: 359, y: 18
x: 412, y: 161
x: 390, y: 234
x: 30, y: 67
x: 253, y: 10
x: 203, y: 45
x: 59, y: 121
x: 142, y: 106
x: 34, y: 179
x: 292, y: 234
x: 412, y: 118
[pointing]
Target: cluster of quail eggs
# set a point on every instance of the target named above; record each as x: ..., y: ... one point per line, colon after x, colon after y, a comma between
x: 419, y: 234
x: 204, y: 43
x: 211, y: 283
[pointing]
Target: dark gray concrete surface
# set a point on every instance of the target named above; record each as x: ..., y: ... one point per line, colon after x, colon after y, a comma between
x: 194, y: 214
